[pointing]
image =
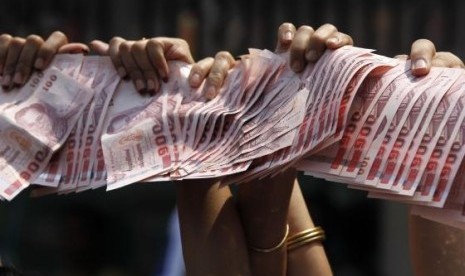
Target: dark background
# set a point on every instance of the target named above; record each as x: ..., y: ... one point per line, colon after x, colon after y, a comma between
x: 123, y: 232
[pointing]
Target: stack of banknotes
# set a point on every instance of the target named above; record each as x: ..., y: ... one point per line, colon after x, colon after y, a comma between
x: 353, y: 117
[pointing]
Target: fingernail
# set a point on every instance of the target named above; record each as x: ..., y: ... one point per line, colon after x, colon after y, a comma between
x: 121, y: 72
x: 195, y: 79
x: 150, y: 85
x: 311, y: 56
x: 39, y: 64
x: 211, y: 92
x: 296, y: 66
x: 6, y: 81
x: 288, y: 35
x: 140, y: 85
x: 419, y: 64
x: 18, y: 78
x: 333, y: 40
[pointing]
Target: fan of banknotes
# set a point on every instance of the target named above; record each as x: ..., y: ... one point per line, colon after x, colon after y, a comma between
x: 353, y: 117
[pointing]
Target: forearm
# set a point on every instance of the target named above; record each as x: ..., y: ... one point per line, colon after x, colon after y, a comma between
x: 436, y: 249
x: 263, y: 207
x: 309, y: 259
x: 211, y: 232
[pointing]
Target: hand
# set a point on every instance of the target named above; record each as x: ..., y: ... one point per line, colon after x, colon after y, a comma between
x: 216, y: 69
x: 19, y: 56
x: 307, y: 45
x: 424, y: 56
x: 145, y: 60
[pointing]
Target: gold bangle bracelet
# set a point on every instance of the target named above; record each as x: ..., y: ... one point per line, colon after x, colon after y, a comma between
x: 305, y: 237
x: 271, y: 249
x: 305, y: 232
x: 308, y: 236
x: 304, y: 242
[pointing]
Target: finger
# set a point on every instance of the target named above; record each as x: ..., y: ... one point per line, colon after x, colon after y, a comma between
x: 26, y: 59
x: 338, y: 39
x: 162, y: 49
x: 131, y: 66
x: 5, y: 40
x: 199, y: 71
x: 402, y: 57
x: 156, y: 52
x: 447, y: 59
x: 219, y: 70
x: 148, y: 71
x: 317, y: 43
x: 114, y: 52
x: 49, y: 49
x: 99, y: 47
x: 286, y: 33
x: 176, y: 49
x: 299, y: 48
x: 421, y: 54
x: 14, y: 51
x: 74, y: 48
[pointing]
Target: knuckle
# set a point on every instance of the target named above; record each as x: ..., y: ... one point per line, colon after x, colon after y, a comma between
x: 203, y: 65
x: 305, y: 28
x: 34, y: 40
x: 138, y: 46
x: 423, y: 41
x: 115, y: 42
x: 423, y: 44
x: 5, y: 38
x: 223, y: 55
x: 350, y: 40
x: 115, y: 39
x: 329, y: 26
x: 17, y: 41
x: 46, y: 50
x: 215, y: 78
x: 196, y: 68
x: 286, y: 26
x: 154, y: 42
x: 182, y: 42
x: 60, y: 35
x: 125, y: 47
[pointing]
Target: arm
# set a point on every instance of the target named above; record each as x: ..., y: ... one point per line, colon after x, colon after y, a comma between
x: 309, y: 259
x: 264, y: 205
x: 274, y: 203
x: 435, y: 249
x: 211, y: 231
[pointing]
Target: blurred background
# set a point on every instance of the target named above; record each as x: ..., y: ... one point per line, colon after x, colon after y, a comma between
x: 124, y: 232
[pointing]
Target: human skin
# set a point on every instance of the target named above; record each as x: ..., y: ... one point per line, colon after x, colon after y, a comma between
x: 20, y: 56
x: 263, y: 205
x: 209, y: 215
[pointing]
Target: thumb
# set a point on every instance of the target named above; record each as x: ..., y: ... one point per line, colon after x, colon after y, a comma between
x: 99, y: 47
x: 74, y: 48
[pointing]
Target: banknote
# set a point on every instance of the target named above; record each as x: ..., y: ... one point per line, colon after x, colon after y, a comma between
x: 37, y: 127
x: 353, y: 117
